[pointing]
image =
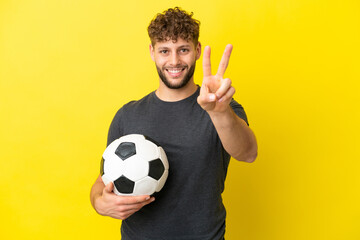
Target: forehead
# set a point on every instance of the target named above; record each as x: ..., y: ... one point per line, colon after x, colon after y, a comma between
x: 172, y: 44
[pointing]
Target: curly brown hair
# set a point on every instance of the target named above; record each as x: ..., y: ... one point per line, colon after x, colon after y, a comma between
x: 172, y: 24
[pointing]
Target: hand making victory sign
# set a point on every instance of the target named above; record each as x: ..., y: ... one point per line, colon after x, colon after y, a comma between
x: 215, y: 96
x: 216, y: 92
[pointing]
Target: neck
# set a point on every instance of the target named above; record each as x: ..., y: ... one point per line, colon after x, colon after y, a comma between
x: 173, y: 95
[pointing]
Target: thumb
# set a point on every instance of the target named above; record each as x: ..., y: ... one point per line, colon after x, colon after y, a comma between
x: 206, y: 99
x: 205, y: 96
x: 109, y: 187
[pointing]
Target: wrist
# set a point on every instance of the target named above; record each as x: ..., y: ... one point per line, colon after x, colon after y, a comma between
x: 226, y: 112
x: 225, y: 118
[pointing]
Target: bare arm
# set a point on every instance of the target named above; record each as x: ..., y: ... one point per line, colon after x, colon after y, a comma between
x: 215, y: 96
x: 237, y: 138
x: 107, y: 203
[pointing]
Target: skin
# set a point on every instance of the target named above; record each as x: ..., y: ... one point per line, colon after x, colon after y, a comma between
x: 215, y: 96
x: 174, y: 62
x: 179, y: 55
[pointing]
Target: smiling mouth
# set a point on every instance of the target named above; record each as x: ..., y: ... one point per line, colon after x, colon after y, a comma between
x: 175, y: 72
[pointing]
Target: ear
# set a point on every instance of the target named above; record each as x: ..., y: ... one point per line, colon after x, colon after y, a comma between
x: 151, y: 49
x: 198, y: 50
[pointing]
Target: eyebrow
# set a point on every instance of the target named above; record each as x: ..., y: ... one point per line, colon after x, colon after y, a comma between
x: 182, y: 46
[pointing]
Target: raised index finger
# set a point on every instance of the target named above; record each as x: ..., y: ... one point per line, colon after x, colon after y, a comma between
x: 224, y: 61
x: 206, y: 62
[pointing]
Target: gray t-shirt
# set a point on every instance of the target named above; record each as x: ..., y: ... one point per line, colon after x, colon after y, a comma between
x: 190, y: 204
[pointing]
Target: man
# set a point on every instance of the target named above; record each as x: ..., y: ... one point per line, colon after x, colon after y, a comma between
x: 199, y: 129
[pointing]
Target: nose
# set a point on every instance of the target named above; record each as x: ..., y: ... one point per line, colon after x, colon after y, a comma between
x: 174, y: 59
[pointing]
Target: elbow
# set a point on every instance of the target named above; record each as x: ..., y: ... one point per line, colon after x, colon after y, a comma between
x: 250, y: 157
x: 252, y: 154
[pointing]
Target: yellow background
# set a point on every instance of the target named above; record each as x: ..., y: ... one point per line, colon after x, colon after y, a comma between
x: 67, y: 66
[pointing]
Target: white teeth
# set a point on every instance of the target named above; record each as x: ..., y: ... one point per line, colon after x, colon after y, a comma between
x: 174, y: 71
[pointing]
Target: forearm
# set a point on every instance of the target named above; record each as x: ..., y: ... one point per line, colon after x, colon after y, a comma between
x: 96, y: 191
x: 237, y: 138
x: 109, y: 204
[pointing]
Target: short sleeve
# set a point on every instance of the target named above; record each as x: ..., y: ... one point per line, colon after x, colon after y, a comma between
x: 239, y: 110
x: 115, y: 130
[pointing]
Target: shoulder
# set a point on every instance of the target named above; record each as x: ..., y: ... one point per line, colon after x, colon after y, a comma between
x: 129, y: 112
x: 136, y: 104
x: 235, y: 105
x: 239, y: 110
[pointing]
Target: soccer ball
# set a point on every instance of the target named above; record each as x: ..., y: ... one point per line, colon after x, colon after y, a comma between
x: 135, y: 164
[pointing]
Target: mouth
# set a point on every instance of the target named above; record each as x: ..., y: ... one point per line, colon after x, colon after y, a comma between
x: 175, y: 72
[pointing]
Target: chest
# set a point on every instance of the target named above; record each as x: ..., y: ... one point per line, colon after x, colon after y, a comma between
x: 186, y: 134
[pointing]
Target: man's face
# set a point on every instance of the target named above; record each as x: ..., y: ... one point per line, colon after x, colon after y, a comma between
x: 175, y: 61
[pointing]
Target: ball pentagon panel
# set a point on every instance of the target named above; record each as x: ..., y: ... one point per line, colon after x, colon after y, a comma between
x: 125, y: 150
x: 156, y: 169
x: 123, y: 185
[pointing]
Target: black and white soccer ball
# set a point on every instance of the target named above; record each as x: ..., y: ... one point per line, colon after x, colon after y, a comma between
x: 135, y: 164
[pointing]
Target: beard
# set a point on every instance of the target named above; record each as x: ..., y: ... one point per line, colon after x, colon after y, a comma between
x: 179, y: 85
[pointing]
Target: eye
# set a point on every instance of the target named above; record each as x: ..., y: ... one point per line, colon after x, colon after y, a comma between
x: 164, y: 51
x: 184, y: 50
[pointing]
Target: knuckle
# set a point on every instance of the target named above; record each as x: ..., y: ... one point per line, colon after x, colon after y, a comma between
x: 140, y: 199
x: 227, y: 81
x: 119, y: 201
x: 121, y: 209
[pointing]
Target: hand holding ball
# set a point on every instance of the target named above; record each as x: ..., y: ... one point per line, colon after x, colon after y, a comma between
x: 135, y: 164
